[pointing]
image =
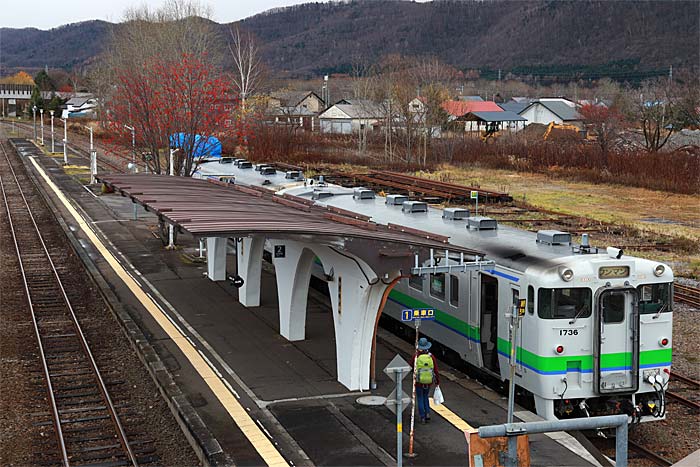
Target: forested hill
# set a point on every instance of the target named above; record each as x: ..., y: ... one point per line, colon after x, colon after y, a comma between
x: 539, y: 37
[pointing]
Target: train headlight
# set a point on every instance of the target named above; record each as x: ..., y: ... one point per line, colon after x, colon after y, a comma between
x: 559, y: 349
x: 659, y: 270
x: 663, y: 342
x: 566, y: 274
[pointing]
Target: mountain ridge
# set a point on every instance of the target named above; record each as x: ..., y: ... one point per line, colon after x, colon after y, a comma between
x: 542, y: 36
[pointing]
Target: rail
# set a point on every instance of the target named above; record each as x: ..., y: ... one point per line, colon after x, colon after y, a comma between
x: 56, y: 325
x: 686, y: 294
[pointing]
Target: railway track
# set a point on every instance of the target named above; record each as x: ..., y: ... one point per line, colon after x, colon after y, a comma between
x: 82, y: 152
x: 686, y: 294
x: 421, y: 187
x: 649, y: 454
x: 87, y: 423
x: 682, y: 399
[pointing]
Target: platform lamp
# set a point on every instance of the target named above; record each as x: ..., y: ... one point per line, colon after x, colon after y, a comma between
x: 133, y: 142
x: 65, y: 140
x: 93, y: 158
x: 34, y: 118
x: 53, y: 148
x: 41, y: 113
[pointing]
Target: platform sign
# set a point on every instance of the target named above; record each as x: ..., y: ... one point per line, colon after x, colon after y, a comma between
x: 521, y: 307
x: 417, y: 313
x: 474, y: 194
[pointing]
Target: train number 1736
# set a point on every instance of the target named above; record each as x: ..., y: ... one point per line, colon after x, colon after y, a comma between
x: 568, y: 332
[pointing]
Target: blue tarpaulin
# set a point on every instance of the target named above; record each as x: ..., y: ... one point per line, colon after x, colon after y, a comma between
x: 211, y: 147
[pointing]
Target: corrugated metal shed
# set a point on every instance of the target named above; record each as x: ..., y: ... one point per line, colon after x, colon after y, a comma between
x: 209, y: 209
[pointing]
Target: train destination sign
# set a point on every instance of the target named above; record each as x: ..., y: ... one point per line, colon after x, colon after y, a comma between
x: 613, y: 272
x: 417, y: 313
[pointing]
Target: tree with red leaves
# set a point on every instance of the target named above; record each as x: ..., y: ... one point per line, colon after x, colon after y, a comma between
x: 605, y: 122
x: 173, y: 104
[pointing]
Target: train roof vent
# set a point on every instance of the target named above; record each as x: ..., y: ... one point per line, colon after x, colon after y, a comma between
x: 396, y: 200
x: 268, y: 171
x: 414, y: 206
x: 294, y: 175
x: 259, y: 167
x: 321, y: 194
x: 238, y: 161
x: 245, y: 165
x: 362, y: 193
x: 226, y: 160
x: 481, y: 223
x: 455, y: 213
x: 553, y: 237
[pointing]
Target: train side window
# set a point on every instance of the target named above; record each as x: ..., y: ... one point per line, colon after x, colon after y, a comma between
x: 564, y: 303
x: 416, y: 282
x: 531, y: 299
x: 437, y: 286
x: 654, y: 297
x: 454, y: 290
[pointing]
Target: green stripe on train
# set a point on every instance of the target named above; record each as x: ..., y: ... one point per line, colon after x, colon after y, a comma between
x: 440, y: 316
x: 539, y: 362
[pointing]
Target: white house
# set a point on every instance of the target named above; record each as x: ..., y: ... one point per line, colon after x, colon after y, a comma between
x: 547, y: 110
x: 350, y: 116
x: 80, y: 107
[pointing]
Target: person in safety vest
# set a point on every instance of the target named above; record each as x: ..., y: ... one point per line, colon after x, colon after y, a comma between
x: 426, y: 374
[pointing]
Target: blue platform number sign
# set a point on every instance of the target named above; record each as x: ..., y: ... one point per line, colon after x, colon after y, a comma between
x: 417, y: 313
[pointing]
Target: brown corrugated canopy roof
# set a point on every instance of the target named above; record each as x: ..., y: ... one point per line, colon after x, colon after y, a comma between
x: 215, y: 209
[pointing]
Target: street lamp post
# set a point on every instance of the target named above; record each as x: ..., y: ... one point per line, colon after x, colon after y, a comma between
x: 65, y: 140
x: 34, y: 118
x: 133, y: 142
x: 41, y: 113
x: 53, y: 148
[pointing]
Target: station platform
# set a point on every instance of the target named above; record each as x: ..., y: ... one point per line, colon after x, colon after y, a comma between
x: 288, y: 389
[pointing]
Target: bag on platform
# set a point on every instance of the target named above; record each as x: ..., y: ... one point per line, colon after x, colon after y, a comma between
x: 437, y: 396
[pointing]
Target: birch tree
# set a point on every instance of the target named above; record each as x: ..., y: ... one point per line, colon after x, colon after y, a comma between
x: 247, y: 66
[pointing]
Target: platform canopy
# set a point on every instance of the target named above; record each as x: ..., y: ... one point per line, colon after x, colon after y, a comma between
x: 207, y: 208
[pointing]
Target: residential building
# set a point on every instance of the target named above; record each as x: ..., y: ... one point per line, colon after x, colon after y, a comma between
x: 557, y: 110
x: 350, y: 116
x: 457, y: 110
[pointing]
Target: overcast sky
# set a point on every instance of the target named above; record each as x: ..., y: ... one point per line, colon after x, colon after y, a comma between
x: 47, y: 14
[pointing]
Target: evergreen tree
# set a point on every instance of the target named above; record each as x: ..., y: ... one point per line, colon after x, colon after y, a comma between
x: 35, y: 100
x: 44, y: 81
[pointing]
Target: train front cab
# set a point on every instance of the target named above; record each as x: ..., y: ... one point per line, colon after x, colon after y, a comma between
x: 590, y: 347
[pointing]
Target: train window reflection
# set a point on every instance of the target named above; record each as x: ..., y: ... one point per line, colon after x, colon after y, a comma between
x: 437, y: 285
x: 654, y: 298
x: 564, y: 303
x: 416, y: 282
x: 613, y: 308
x: 454, y: 290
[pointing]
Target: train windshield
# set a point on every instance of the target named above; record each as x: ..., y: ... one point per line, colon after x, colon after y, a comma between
x: 564, y: 303
x: 654, y: 298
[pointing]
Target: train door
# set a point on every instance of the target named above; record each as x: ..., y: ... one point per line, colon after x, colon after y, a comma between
x: 616, y: 352
x: 488, y: 327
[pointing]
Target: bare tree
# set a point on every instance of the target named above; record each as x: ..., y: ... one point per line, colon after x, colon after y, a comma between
x: 248, y: 68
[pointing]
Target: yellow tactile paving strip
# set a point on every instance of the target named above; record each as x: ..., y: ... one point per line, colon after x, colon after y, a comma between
x: 236, y: 411
x: 451, y: 417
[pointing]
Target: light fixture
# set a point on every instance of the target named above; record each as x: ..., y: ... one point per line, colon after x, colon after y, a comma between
x: 663, y: 342
x: 566, y: 274
x: 659, y: 270
x: 559, y: 349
